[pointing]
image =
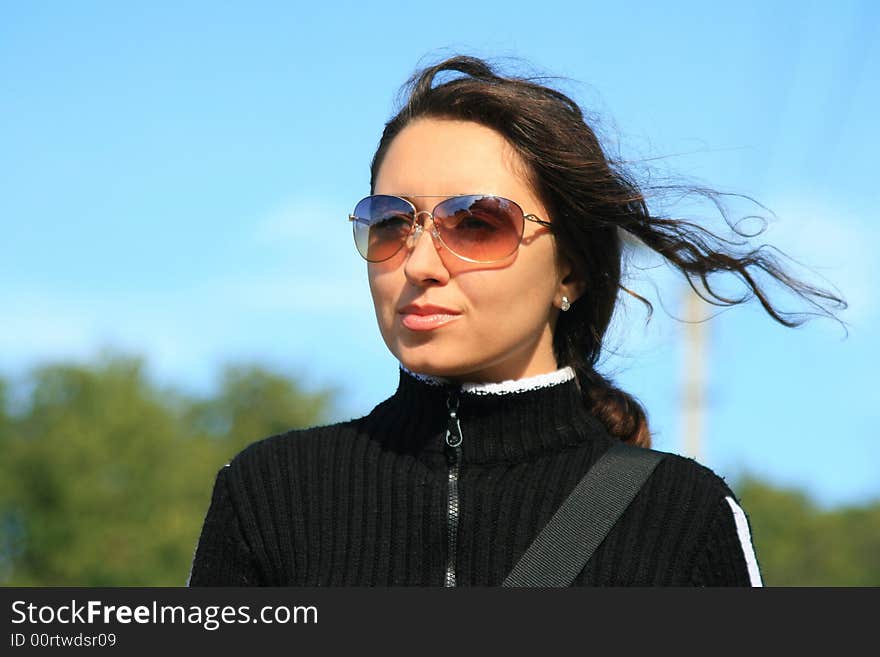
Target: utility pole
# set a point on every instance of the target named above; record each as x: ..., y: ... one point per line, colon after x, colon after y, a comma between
x: 694, y: 379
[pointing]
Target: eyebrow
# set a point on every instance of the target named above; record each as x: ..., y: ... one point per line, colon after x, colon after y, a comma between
x: 410, y: 197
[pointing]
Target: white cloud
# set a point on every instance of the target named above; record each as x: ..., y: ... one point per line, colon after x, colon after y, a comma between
x: 45, y: 328
x: 285, y: 293
x: 305, y: 222
x: 289, y: 281
x: 182, y: 327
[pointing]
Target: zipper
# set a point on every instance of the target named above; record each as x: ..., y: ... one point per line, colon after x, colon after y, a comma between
x: 453, y: 460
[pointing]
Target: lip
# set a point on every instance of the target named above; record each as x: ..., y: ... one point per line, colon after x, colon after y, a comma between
x: 426, y: 317
x: 426, y: 309
x: 426, y: 322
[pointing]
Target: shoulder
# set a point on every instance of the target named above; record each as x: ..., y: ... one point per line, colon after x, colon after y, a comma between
x: 724, y: 553
x: 690, y: 495
x: 688, y: 481
x: 276, y: 457
x: 271, y: 447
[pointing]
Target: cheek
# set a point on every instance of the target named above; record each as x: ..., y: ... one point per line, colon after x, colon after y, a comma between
x: 526, y: 284
x: 384, y: 292
x: 495, y: 298
x: 515, y: 301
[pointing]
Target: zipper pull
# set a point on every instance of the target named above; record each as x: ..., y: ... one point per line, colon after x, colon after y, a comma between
x: 453, y: 429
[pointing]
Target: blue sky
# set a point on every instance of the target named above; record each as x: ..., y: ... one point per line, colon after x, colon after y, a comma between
x: 160, y: 161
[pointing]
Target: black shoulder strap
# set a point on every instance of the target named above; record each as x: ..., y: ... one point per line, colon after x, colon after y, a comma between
x: 566, y: 543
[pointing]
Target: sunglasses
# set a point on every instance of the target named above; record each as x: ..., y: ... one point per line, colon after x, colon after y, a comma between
x: 475, y: 227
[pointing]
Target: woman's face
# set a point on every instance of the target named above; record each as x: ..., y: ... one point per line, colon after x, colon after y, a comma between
x: 504, y: 313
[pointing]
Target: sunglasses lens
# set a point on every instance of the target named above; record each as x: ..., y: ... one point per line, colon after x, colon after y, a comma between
x: 480, y: 228
x: 381, y: 226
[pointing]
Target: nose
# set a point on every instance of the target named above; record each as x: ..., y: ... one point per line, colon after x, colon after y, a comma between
x: 423, y: 263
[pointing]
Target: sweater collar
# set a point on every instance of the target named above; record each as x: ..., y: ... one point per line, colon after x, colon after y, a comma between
x: 510, y: 421
x: 505, y: 387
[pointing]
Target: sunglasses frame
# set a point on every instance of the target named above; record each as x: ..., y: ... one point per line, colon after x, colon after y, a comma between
x: 415, y: 223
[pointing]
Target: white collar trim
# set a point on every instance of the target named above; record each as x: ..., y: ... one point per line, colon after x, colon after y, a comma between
x: 504, y: 387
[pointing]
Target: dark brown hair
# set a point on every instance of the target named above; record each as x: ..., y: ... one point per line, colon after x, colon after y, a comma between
x: 590, y: 199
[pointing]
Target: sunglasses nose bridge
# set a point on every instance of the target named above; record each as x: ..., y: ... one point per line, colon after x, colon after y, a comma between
x: 418, y: 226
x: 423, y: 212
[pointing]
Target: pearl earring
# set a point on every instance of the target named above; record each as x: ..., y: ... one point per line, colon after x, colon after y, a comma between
x: 565, y: 304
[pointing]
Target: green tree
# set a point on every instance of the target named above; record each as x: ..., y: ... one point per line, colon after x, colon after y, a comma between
x: 799, y: 544
x: 106, y: 478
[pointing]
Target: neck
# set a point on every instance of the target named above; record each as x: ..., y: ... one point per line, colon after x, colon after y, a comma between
x: 508, y: 421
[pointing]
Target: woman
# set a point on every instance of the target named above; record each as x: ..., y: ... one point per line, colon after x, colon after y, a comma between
x: 493, y: 240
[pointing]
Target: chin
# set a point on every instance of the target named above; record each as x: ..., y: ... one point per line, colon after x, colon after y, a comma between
x: 431, y: 366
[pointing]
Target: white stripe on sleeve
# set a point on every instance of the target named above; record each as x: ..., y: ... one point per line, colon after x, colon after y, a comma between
x: 745, y: 540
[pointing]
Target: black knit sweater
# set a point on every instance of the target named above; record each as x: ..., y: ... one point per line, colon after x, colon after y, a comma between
x: 370, y: 501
